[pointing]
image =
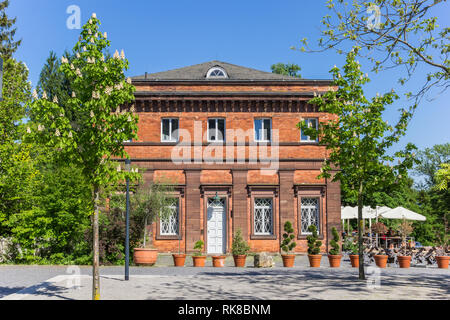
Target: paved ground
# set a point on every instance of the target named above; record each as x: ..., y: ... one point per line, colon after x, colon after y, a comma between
x: 162, y: 282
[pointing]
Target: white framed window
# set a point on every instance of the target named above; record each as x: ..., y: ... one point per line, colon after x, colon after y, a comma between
x: 169, y: 130
x: 311, y: 123
x: 170, y: 225
x: 216, y: 130
x: 263, y: 216
x: 310, y: 211
x: 263, y: 130
x: 217, y: 73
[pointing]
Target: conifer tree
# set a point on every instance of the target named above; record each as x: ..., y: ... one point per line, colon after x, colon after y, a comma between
x: 7, y: 32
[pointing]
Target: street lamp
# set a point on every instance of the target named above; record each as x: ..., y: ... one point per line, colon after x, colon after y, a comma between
x: 127, y: 236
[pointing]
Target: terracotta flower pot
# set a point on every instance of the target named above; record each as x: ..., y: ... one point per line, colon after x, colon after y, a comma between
x: 404, y: 261
x: 239, y: 261
x: 288, y: 260
x: 218, y: 261
x: 381, y: 261
x: 179, y: 260
x: 335, y: 260
x: 442, y: 261
x: 199, y: 261
x: 144, y: 256
x: 314, y: 260
x: 354, y: 259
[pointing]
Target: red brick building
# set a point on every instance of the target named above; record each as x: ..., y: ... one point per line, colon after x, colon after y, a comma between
x: 226, y: 137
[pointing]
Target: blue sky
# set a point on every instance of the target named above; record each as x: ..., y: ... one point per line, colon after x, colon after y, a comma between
x: 163, y: 35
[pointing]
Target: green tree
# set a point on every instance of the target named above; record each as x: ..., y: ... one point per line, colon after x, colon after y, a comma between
x: 288, y: 69
x: 401, y: 34
x: 7, y: 32
x: 442, y: 177
x: 101, y: 99
x: 16, y: 167
x: 358, y: 138
x: 430, y: 161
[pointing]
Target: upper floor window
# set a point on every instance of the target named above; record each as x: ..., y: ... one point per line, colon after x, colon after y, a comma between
x: 216, y: 130
x: 169, y: 130
x: 216, y: 73
x: 263, y: 130
x: 311, y: 123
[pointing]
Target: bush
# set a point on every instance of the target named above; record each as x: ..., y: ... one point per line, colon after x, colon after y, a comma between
x: 335, y: 243
x: 379, y: 228
x: 239, y: 247
x: 313, y: 243
x: 350, y: 246
x: 288, y: 243
x: 199, y: 247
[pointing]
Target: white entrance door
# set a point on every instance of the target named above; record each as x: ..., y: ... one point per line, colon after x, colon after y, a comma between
x: 216, y: 226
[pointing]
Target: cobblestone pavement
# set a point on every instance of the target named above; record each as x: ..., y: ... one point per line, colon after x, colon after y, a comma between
x: 162, y: 282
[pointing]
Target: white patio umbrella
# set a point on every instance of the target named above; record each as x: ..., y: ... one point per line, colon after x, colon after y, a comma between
x: 402, y: 213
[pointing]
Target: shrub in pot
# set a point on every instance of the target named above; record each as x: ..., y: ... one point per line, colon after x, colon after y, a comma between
x: 147, y: 205
x: 198, y: 258
x: 179, y: 259
x: 334, y: 256
x: 352, y: 249
x: 239, y: 249
x: 442, y: 258
x: 405, y: 229
x: 314, y: 245
x: 287, y: 245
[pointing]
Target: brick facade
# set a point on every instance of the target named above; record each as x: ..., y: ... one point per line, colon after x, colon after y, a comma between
x: 234, y: 175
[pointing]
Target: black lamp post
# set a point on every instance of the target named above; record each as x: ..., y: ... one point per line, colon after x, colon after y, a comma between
x: 127, y: 236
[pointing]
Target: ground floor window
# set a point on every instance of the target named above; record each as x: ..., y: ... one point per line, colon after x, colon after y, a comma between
x: 263, y: 216
x: 169, y: 226
x: 310, y: 214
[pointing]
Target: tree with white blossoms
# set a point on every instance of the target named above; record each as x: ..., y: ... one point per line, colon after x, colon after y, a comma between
x: 358, y: 139
x: 102, y: 99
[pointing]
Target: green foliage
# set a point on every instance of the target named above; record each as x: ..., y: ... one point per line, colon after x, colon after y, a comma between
x: 288, y: 244
x: 350, y: 246
x: 99, y: 90
x: 7, y: 44
x: 442, y: 177
x: 239, y: 247
x: 199, y: 247
x: 408, y: 36
x: 313, y: 241
x: 430, y: 161
x: 288, y: 69
x: 334, y: 243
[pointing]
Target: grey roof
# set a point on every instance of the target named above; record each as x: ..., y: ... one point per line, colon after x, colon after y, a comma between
x: 199, y: 71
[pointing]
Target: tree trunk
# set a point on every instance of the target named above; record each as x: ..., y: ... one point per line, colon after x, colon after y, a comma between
x: 95, y: 247
x: 360, y: 233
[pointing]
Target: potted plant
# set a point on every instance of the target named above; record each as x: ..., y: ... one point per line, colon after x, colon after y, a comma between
x: 314, y: 245
x: 380, y: 259
x: 442, y: 257
x: 147, y: 205
x: 405, y: 229
x: 287, y: 245
x: 239, y: 249
x: 352, y: 248
x: 334, y: 256
x: 218, y: 261
x: 198, y: 258
x: 179, y: 259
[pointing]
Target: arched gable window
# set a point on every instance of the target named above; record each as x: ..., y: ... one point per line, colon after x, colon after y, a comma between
x: 216, y: 73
